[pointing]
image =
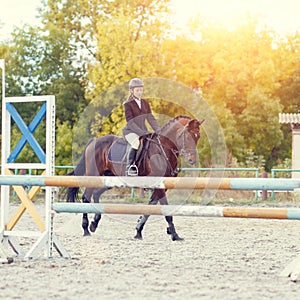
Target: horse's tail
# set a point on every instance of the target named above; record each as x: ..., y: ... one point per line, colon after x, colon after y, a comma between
x: 79, y: 170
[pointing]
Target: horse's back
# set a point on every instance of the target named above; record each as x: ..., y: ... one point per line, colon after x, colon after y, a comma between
x: 106, y: 139
x: 96, y: 155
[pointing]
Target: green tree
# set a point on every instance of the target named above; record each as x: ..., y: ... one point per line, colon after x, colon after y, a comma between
x: 40, y: 62
x: 238, y: 71
x: 259, y: 125
x: 87, y: 49
x: 45, y: 64
x: 63, y: 146
x: 129, y: 35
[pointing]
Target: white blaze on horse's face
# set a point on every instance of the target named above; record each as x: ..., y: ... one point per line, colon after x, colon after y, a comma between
x: 187, y: 140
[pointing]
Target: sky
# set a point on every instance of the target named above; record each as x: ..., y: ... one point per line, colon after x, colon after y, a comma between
x: 16, y: 13
x: 282, y: 15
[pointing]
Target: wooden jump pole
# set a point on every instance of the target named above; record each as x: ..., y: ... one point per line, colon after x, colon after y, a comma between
x: 155, y: 182
x: 179, y: 210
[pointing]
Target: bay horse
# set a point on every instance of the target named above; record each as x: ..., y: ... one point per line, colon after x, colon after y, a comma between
x: 158, y: 156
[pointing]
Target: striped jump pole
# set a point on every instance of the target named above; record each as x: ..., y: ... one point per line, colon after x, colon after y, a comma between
x: 155, y: 182
x: 179, y: 210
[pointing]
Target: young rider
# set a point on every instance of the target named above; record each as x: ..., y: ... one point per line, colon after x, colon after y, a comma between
x: 137, y: 111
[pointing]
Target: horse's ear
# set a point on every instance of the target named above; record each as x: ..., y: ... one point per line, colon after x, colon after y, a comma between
x: 195, y: 123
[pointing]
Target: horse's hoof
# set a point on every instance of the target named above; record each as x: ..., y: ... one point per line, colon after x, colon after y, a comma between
x: 86, y: 233
x: 138, y: 236
x: 177, y: 238
x: 92, y: 227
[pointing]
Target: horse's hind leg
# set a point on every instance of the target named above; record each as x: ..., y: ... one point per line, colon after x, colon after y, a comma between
x: 96, y: 195
x: 143, y: 219
x: 140, y: 225
x: 171, y: 229
x: 86, y: 198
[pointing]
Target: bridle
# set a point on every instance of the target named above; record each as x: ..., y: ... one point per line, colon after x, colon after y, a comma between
x: 183, y: 150
x: 174, y: 171
x: 175, y: 148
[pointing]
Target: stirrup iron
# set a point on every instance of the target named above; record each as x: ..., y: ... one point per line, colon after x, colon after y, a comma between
x: 132, y: 170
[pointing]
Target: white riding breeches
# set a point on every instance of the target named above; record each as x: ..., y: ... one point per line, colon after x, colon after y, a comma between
x: 133, y: 140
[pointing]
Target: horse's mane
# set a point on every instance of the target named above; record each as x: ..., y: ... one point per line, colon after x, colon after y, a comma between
x: 167, y: 125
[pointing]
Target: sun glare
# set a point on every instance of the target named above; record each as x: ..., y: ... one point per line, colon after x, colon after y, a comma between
x: 281, y: 15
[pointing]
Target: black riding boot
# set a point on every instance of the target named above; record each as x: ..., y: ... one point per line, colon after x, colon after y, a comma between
x: 131, y: 168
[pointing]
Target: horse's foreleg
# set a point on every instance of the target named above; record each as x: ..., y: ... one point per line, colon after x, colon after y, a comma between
x: 86, y: 197
x: 143, y: 219
x: 96, y: 195
x: 171, y: 229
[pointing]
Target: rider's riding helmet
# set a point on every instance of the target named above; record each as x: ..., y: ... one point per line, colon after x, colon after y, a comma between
x: 135, y: 82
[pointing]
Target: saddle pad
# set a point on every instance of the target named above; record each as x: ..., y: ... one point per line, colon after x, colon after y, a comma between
x: 117, y: 151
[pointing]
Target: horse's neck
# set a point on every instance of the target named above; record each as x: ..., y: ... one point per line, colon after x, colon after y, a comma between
x: 171, y: 132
